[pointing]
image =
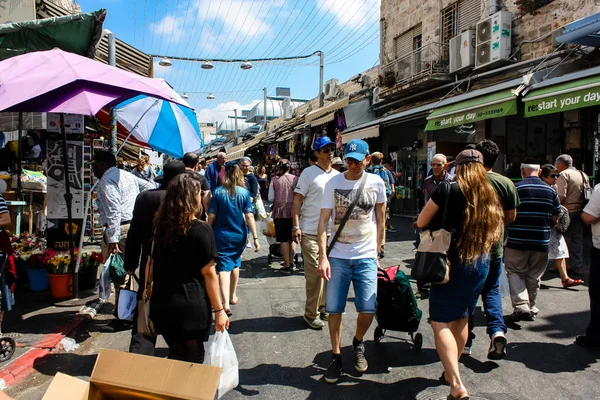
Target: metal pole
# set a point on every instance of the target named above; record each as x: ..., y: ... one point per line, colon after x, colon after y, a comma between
x: 68, y: 202
x: 112, y: 60
x: 20, y: 157
x: 321, y: 65
x: 265, y: 110
x: 236, y: 126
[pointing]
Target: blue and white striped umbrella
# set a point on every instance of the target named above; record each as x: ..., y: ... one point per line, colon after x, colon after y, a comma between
x: 167, y: 127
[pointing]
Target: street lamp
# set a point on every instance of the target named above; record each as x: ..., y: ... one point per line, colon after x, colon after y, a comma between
x: 207, y: 65
x: 246, y: 65
x: 165, y: 62
x: 210, y: 96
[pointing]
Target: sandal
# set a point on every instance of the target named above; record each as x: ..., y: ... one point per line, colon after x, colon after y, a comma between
x: 233, y: 303
x: 571, y: 282
x: 228, y: 312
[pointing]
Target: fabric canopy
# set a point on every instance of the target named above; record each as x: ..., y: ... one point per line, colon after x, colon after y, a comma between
x: 565, y: 96
x: 77, y: 34
x: 366, y: 133
x: 494, y: 105
x: 323, y: 120
x: 329, y: 108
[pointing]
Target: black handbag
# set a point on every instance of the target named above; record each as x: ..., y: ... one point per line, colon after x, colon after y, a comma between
x: 431, y: 261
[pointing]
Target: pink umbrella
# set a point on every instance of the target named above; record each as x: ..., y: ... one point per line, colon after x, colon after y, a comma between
x: 58, y: 81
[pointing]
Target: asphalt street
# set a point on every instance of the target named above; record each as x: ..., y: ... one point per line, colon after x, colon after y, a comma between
x: 280, y: 358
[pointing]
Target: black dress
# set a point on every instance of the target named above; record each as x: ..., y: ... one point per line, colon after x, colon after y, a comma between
x: 180, y: 308
x: 264, y: 187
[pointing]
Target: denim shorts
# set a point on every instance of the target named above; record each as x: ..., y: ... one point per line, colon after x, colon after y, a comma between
x: 363, y: 275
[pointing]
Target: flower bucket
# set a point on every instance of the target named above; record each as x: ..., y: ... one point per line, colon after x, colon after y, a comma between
x: 88, y: 277
x: 38, y: 279
x: 61, y: 285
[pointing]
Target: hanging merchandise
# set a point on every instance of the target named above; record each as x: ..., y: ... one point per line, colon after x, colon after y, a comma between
x: 271, y: 151
x: 338, y: 139
x: 340, y: 121
x: 291, y: 145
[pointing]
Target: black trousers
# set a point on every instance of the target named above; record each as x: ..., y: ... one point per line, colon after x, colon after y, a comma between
x: 593, y: 329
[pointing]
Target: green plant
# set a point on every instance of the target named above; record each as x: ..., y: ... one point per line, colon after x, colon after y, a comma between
x: 526, y: 6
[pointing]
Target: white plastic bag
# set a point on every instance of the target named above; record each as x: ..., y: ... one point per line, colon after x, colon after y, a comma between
x: 503, y: 284
x: 219, y: 352
x: 104, y: 282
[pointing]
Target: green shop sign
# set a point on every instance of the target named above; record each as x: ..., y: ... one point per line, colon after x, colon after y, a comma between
x: 491, y: 106
x: 557, y: 101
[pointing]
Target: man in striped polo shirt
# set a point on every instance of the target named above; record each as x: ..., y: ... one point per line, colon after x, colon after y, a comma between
x: 526, y: 255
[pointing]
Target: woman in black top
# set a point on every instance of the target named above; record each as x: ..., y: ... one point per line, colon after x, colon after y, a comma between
x: 474, y: 217
x: 185, y: 281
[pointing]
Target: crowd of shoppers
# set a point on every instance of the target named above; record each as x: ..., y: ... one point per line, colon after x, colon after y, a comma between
x: 337, y: 210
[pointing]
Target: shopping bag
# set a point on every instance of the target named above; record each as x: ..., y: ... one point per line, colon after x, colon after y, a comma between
x: 220, y: 353
x: 117, y: 270
x: 268, y: 227
x: 503, y: 286
x: 127, y: 302
x: 259, y: 209
x: 104, y: 282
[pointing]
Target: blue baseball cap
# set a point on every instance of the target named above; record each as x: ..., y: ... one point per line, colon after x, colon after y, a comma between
x: 321, y: 142
x: 357, y: 149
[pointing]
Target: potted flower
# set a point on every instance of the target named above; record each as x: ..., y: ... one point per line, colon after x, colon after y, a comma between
x: 88, y: 269
x: 58, y: 265
x: 27, y: 251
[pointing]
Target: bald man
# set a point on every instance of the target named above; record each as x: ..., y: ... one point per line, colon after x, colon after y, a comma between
x: 215, y: 173
x: 439, y: 174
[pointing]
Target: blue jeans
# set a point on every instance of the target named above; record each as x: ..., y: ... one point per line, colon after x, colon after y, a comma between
x: 363, y: 275
x: 492, y: 303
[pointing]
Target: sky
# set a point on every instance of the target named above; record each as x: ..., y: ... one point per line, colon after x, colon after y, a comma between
x: 347, y: 31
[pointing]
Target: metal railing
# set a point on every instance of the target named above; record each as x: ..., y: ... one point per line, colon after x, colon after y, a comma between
x: 429, y: 60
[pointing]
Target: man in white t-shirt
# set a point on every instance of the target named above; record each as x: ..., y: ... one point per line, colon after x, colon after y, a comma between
x: 354, y: 257
x: 305, y: 219
x: 591, y: 215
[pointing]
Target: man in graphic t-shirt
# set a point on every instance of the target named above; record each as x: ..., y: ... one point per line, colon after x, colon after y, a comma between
x: 305, y: 218
x: 354, y: 256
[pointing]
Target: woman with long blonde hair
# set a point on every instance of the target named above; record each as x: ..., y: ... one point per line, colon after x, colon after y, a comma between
x: 185, y: 282
x: 474, y: 217
x: 228, y: 207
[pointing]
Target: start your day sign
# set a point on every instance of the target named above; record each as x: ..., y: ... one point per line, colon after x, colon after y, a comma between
x: 562, y: 102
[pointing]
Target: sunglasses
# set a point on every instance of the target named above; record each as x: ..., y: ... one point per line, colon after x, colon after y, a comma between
x: 555, y: 176
x: 327, y: 150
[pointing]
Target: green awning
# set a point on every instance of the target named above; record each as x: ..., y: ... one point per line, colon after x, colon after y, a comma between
x: 494, y: 105
x: 566, y: 96
x: 77, y: 34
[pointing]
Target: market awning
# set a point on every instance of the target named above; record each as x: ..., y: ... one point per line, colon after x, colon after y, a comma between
x: 329, y: 108
x: 323, y: 120
x: 493, y: 105
x: 365, y: 133
x: 584, y: 32
x: 285, y: 137
x: 563, y: 94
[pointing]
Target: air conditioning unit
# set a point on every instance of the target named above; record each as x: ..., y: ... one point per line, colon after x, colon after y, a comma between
x: 493, y: 36
x: 331, y: 89
x: 462, y: 51
x: 288, y: 109
x: 376, y: 93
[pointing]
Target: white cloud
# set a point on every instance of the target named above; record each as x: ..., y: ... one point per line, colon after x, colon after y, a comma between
x: 223, y: 110
x: 350, y: 13
x: 171, y: 27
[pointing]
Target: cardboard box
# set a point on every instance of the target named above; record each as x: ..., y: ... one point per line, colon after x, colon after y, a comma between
x: 120, y: 375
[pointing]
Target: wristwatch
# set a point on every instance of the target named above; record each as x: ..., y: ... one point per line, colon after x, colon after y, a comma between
x: 295, y: 228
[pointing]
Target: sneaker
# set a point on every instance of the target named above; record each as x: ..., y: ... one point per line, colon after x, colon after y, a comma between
x: 323, y: 315
x: 332, y: 375
x: 360, y: 362
x: 587, y: 342
x: 467, y: 351
x: 314, y: 323
x: 497, y: 349
x: 518, y: 316
x: 287, y: 270
x: 391, y: 229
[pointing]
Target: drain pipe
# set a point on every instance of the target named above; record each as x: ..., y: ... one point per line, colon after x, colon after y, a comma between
x: 494, y: 7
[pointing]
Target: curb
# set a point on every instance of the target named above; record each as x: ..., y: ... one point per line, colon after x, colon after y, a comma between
x: 21, y: 367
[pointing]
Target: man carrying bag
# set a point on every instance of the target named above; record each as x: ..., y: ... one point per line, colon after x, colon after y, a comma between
x: 357, y: 202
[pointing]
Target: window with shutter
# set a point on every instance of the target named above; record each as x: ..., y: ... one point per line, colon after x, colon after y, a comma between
x: 408, y: 41
x: 469, y: 12
x: 449, y: 22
